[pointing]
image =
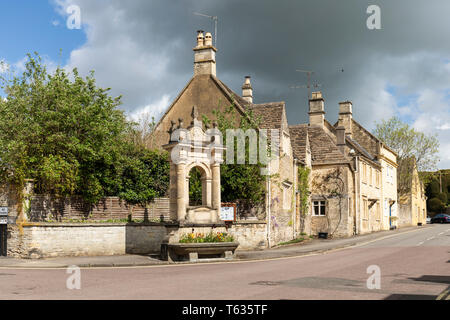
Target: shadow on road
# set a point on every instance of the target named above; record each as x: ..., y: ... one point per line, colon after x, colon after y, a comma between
x: 410, y: 297
x: 434, y: 279
x: 425, y: 278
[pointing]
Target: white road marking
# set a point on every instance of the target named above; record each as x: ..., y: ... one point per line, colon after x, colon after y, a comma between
x: 421, y: 243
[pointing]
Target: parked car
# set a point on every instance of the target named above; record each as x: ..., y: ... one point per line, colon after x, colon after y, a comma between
x: 441, y: 218
x: 428, y: 220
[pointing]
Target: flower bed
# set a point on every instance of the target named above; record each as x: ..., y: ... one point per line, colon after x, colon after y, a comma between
x: 208, y: 238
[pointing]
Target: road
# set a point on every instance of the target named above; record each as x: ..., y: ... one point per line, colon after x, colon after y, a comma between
x: 413, y: 265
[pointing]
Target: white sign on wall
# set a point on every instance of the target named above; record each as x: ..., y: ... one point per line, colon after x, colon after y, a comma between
x: 227, y: 213
x: 3, y: 211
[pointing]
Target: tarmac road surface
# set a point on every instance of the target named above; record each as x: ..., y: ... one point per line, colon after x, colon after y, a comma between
x: 412, y: 265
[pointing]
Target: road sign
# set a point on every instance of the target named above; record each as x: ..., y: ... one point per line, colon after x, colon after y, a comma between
x: 3, y: 220
x: 3, y: 211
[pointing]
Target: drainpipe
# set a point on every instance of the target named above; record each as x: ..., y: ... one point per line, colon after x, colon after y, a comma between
x: 356, y: 192
x: 294, y: 213
x: 269, y: 217
x: 358, y: 189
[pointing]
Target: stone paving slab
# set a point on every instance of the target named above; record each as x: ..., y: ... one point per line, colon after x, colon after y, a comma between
x: 313, y: 246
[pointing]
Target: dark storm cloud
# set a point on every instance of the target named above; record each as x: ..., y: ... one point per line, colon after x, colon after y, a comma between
x: 143, y: 50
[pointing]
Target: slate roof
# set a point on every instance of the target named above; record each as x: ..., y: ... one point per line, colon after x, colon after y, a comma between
x: 323, y: 148
x: 354, y: 144
x: 359, y: 127
x: 299, y: 136
x: 270, y: 114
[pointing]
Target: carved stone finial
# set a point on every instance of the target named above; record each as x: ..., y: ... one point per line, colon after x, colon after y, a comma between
x: 180, y: 123
x: 172, y: 127
x: 194, y: 113
x: 215, y: 125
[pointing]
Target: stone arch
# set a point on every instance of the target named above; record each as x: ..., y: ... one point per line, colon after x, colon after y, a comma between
x: 206, y: 178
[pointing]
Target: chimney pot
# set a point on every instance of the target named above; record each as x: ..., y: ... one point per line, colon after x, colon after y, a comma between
x: 200, y: 38
x: 247, y: 90
x: 208, y: 39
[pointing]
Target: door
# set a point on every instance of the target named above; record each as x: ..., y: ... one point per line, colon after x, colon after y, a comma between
x: 3, y: 240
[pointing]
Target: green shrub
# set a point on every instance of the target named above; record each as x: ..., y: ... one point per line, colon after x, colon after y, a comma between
x: 436, y: 205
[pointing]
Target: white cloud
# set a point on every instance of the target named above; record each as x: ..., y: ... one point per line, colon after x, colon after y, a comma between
x: 445, y: 126
x: 152, y: 110
x: 125, y: 54
x: 4, y: 66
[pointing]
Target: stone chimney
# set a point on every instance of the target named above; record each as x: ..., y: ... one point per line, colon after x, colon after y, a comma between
x: 345, y: 117
x: 340, y: 137
x: 204, y: 55
x: 316, y: 109
x: 247, y: 90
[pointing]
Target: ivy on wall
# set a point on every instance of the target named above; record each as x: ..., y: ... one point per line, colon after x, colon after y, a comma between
x: 303, y: 188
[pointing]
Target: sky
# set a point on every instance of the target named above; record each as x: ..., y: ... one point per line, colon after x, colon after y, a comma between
x: 142, y: 49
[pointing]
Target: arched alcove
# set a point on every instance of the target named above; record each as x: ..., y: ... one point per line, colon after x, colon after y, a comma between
x: 198, y: 184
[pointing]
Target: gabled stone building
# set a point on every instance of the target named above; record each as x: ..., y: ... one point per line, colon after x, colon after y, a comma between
x: 353, y: 174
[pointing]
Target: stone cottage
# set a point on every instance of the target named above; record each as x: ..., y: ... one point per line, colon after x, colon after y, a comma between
x: 353, y: 183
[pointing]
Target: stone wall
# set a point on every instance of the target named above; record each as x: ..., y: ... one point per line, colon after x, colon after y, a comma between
x: 46, y: 240
x: 333, y: 185
x: 54, y: 240
x: 404, y: 215
x: 47, y: 208
x: 250, y: 235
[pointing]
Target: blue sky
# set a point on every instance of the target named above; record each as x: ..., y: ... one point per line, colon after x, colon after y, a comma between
x: 142, y: 49
x: 29, y: 29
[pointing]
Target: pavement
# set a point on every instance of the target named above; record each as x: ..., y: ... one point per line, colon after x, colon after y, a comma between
x: 130, y: 260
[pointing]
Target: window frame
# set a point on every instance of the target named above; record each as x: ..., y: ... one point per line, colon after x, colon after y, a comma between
x: 322, y: 205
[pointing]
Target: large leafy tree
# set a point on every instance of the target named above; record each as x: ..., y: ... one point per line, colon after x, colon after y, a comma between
x: 414, y: 148
x: 145, y: 176
x: 63, y: 131
x: 239, y: 181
